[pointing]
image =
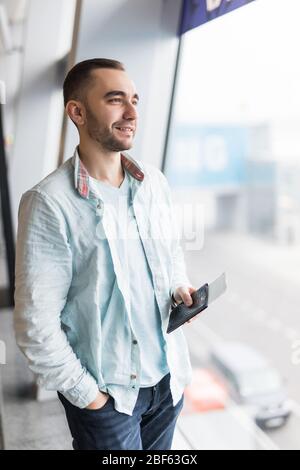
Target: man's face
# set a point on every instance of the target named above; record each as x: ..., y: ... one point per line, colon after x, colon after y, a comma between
x: 111, y: 110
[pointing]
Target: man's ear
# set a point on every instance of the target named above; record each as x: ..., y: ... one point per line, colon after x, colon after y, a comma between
x: 76, y: 112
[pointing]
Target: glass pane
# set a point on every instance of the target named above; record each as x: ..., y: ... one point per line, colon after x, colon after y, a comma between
x: 233, y: 163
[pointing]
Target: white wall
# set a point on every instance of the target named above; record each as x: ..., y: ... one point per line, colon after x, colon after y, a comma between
x: 39, y: 110
x: 142, y: 35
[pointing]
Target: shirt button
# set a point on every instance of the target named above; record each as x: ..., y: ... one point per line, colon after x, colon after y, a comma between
x: 133, y: 376
x: 134, y: 341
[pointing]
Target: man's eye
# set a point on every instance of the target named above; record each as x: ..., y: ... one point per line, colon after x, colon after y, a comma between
x: 119, y: 99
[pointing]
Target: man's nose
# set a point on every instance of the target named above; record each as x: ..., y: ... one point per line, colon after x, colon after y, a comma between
x: 130, y: 111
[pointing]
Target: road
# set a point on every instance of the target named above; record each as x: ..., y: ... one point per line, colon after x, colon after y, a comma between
x: 260, y: 307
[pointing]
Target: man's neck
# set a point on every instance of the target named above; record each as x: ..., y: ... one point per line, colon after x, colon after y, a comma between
x: 103, y: 166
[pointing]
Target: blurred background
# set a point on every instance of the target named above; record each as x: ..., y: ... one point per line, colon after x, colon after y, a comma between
x: 220, y: 116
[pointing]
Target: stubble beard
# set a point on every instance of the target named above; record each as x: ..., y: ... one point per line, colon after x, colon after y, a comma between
x: 103, y: 135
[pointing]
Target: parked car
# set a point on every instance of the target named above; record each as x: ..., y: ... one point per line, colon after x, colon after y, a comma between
x: 253, y: 382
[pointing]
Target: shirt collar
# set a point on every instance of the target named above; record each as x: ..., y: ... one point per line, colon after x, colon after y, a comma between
x: 81, y: 175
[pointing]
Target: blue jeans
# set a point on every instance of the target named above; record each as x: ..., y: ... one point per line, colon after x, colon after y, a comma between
x: 151, y: 426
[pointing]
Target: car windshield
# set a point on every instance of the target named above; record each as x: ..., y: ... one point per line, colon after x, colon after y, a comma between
x: 259, y: 382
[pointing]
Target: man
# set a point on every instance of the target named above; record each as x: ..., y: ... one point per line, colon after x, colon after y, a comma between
x: 92, y: 302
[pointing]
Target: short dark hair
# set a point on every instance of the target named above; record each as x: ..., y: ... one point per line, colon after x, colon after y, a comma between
x: 79, y: 76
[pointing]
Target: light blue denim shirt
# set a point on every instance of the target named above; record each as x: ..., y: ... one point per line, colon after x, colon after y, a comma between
x: 66, y: 246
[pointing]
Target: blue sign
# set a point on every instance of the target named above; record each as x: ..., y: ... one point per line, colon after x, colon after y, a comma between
x: 197, y: 12
x: 208, y: 156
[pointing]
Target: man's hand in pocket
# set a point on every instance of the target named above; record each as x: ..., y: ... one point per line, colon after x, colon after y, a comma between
x: 99, y: 401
